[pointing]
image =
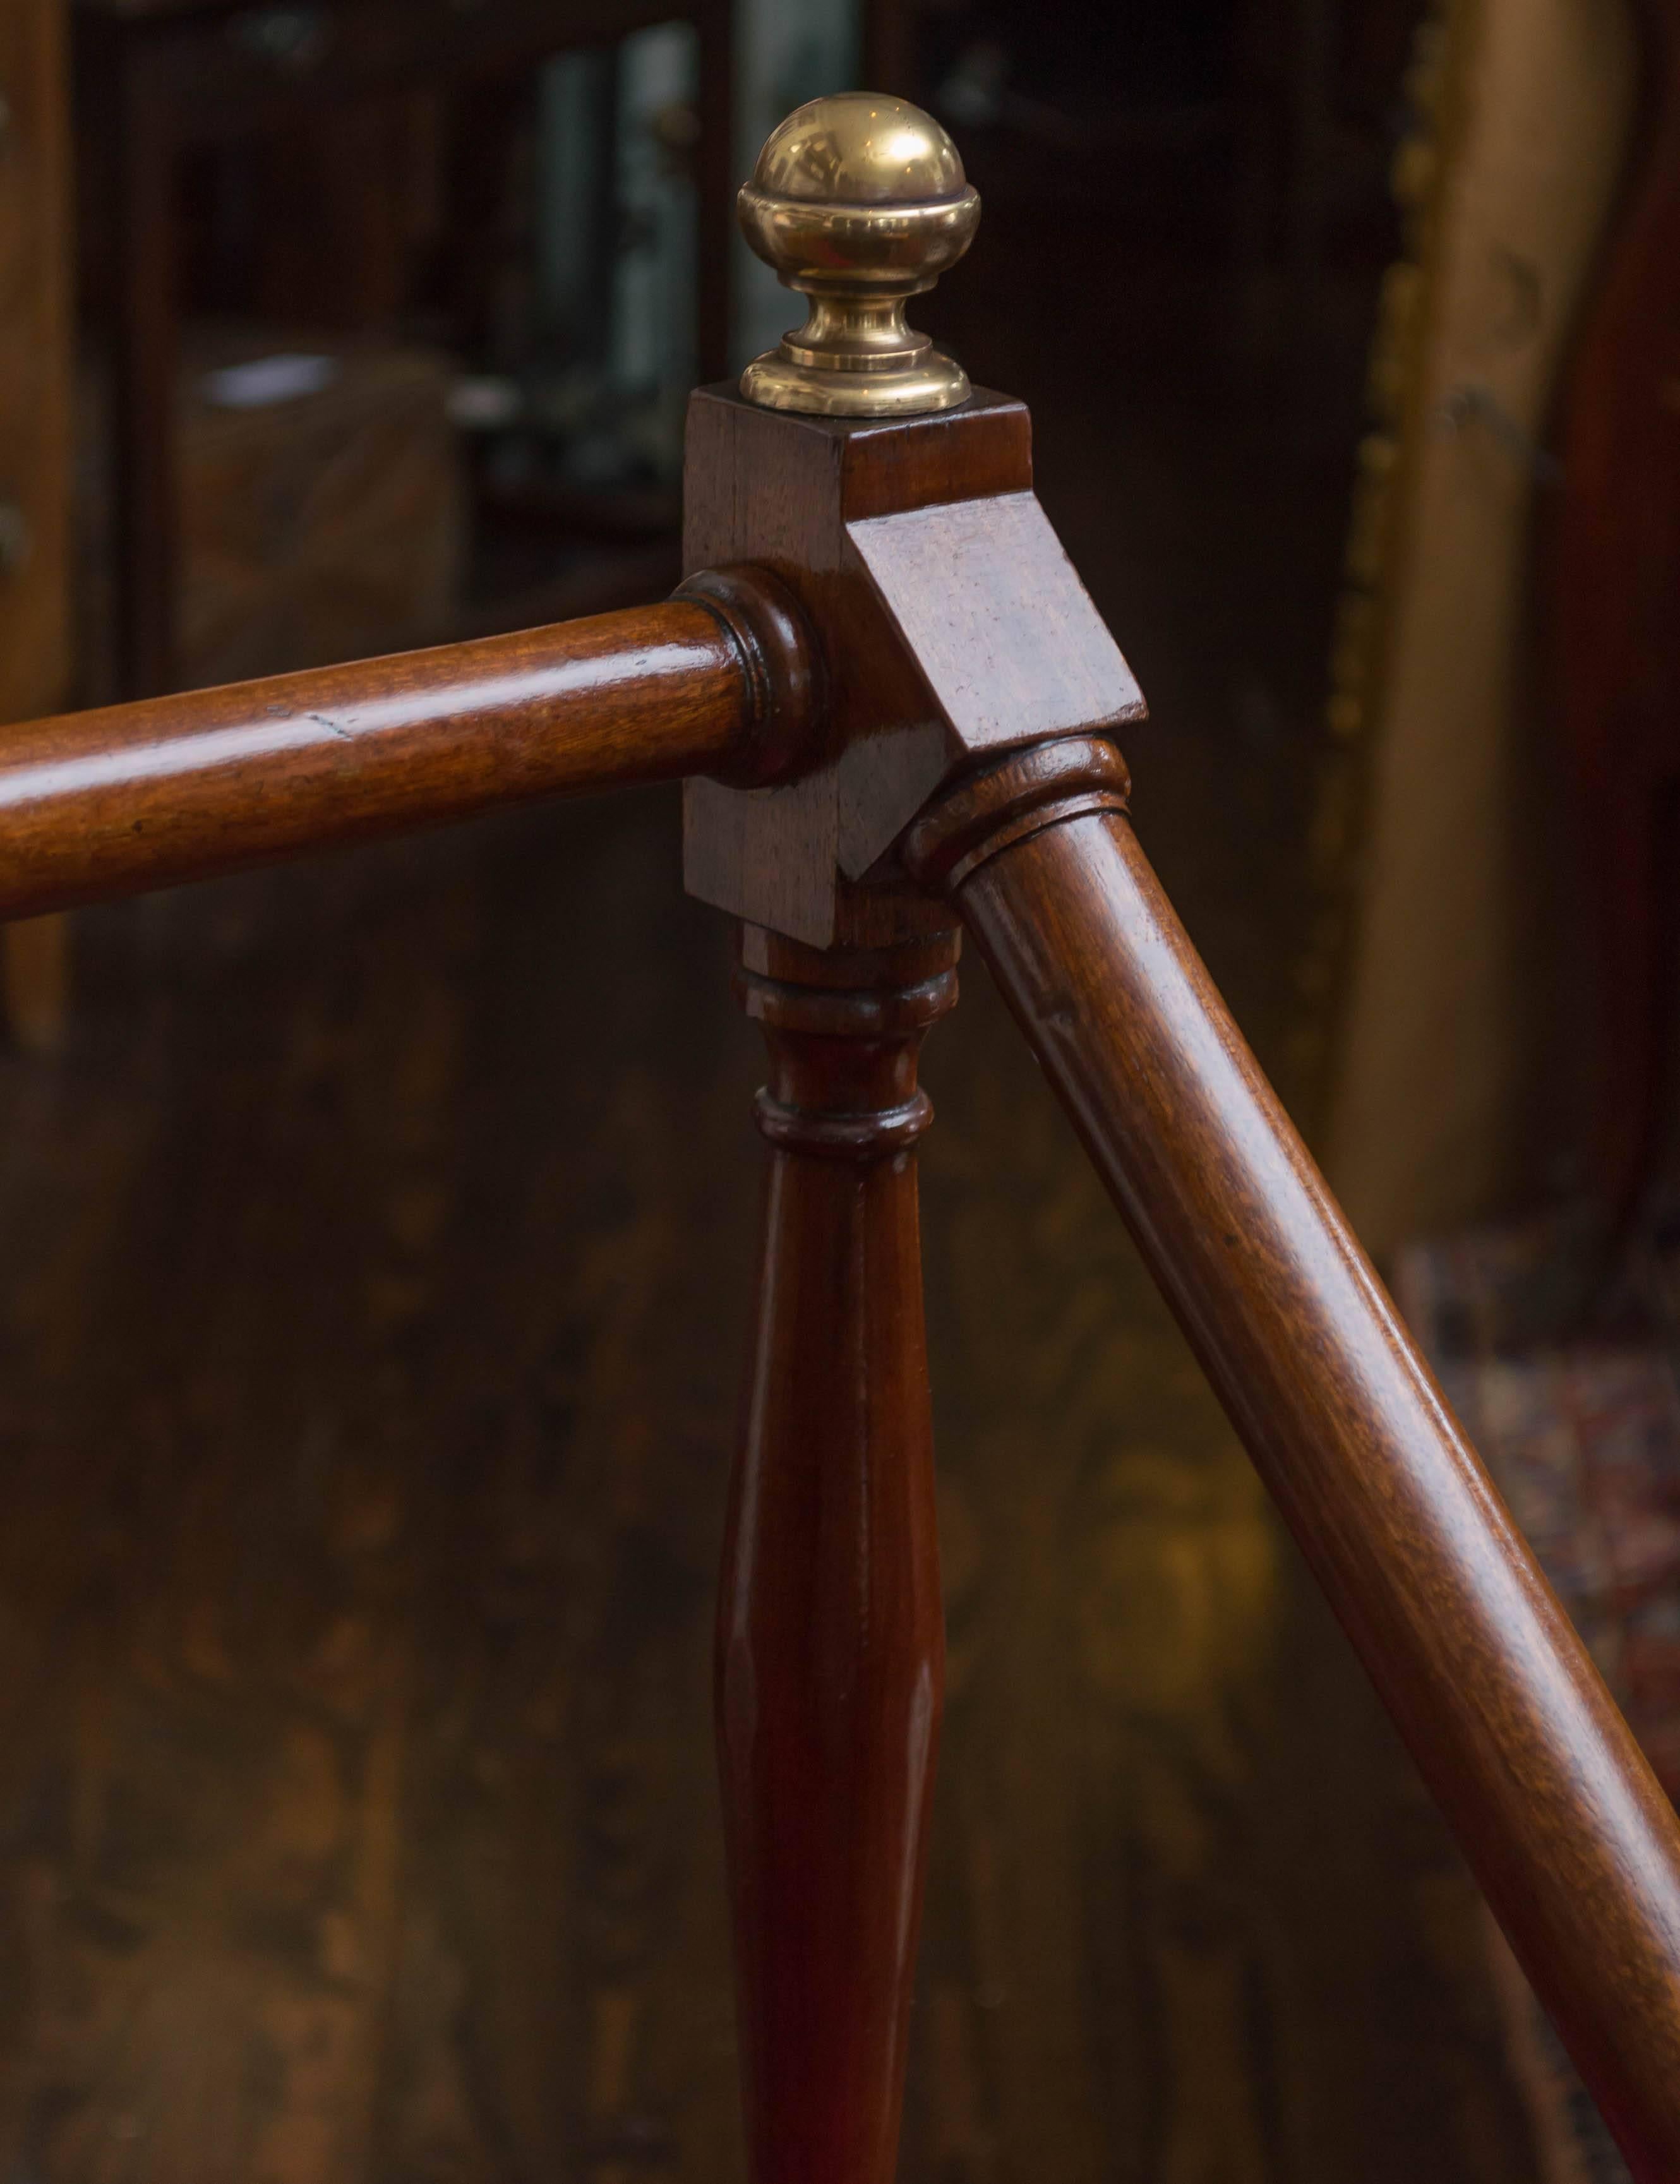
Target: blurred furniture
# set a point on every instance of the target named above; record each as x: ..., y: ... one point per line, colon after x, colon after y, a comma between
x: 1614, y: 590
x: 35, y: 407
x: 162, y: 76
x: 321, y: 505
x: 1431, y: 828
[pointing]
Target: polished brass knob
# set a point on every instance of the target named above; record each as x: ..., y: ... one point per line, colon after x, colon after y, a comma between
x: 860, y: 202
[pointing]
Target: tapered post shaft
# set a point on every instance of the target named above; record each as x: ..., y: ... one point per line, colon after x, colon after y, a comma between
x: 830, y: 1637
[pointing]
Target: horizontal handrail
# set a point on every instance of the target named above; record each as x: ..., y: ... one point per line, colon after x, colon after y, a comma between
x: 144, y: 795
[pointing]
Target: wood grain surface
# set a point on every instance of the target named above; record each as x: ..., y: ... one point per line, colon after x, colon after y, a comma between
x: 780, y: 490
x: 1575, y: 1844
x: 831, y: 1640
x: 952, y: 619
x: 143, y: 795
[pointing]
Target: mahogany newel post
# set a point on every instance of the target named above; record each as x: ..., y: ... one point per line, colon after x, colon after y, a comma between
x: 893, y: 698
x: 1570, y: 1836
x: 829, y: 1636
x: 847, y: 464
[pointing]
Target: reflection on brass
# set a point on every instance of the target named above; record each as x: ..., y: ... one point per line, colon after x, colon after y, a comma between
x: 859, y: 202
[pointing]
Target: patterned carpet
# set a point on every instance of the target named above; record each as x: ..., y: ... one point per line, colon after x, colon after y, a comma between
x: 1582, y: 1432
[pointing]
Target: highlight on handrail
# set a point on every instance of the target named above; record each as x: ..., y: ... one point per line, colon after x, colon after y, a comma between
x: 721, y: 680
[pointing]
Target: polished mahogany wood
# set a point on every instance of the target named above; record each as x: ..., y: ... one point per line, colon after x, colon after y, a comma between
x: 954, y: 619
x: 105, y: 803
x: 830, y: 1638
x: 781, y: 490
x: 1576, y: 1846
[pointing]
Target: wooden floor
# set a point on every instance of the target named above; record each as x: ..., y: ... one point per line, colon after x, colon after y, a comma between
x: 372, y: 1301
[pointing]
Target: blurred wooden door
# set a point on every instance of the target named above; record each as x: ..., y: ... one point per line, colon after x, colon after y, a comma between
x: 35, y: 398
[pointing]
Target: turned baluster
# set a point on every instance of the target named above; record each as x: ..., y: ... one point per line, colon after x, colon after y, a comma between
x: 969, y: 672
x: 830, y: 1640
x: 902, y: 702
x: 830, y: 1644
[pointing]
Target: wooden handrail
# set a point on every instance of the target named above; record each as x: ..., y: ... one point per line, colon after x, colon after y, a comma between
x: 904, y: 519
x: 717, y: 680
x: 1572, y: 1839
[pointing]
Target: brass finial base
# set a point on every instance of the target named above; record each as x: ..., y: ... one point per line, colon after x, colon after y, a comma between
x: 775, y: 381
x: 802, y: 374
x: 859, y: 202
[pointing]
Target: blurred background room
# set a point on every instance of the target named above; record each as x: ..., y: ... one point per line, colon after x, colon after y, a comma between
x: 378, y: 1231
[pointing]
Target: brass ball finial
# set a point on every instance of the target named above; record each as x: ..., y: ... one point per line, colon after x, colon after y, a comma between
x: 860, y: 202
